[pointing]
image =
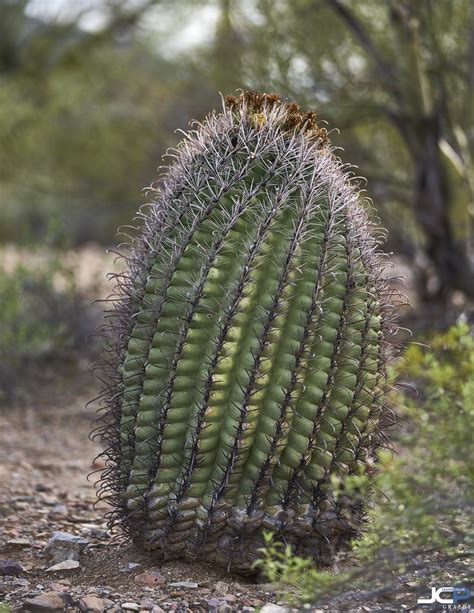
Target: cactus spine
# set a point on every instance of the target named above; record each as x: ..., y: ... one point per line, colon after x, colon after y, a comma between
x: 248, y: 345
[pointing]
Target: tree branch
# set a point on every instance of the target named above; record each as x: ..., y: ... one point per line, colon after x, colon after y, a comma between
x: 384, y: 69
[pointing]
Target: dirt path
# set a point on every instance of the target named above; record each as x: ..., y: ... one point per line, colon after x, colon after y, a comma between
x: 45, y: 457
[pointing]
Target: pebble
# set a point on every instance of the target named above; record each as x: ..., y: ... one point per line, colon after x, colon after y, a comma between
x: 221, y: 588
x: 21, y: 505
x: 131, y: 606
x: 126, y: 568
x: 19, y: 543
x: 64, y: 546
x: 59, y: 511
x: 190, y: 585
x: 273, y: 608
x: 98, y: 533
x: 48, y: 601
x: 94, y: 604
x: 214, y: 602
x: 60, y: 586
x: 225, y: 608
x: 62, y: 566
x: 11, y: 567
x: 41, y: 487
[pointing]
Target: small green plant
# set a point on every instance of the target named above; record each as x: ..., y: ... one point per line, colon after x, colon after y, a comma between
x: 249, y: 345
x: 421, y: 527
x: 298, y: 578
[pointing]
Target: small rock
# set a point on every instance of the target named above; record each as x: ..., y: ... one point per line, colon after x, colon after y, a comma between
x: 225, y: 608
x: 147, y: 603
x: 60, y: 586
x: 94, y: 604
x: 126, y: 568
x: 64, y: 546
x: 157, y: 609
x: 98, y: 533
x: 62, y: 566
x: 131, y: 606
x: 150, y: 577
x: 21, y: 505
x: 221, y: 588
x: 10, y: 567
x: 59, y: 511
x: 247, y: 610
x: 190, y: 585
x: 49, y: 601
x: 19, y: 543
x: 230, y: 598
x: 273, y: 608
x: 42, y: 487
x: 214, y: 602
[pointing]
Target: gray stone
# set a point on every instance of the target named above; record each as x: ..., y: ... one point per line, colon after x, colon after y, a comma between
x: 273, y: 608
x: 190, y: 585
x: 129, y: 566
x: 131, y: 606
x: 10, y: 567
x: 63, y: 546
x: 63, y: 566
x: 98, y: 533
x: 19, y: 543
x: 59, y: 511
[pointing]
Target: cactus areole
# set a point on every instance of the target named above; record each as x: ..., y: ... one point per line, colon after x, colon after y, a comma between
x: 247, y: 351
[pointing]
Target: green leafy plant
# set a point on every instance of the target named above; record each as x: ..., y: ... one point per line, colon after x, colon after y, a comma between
x: 246, y: 364
x: 421, y: 529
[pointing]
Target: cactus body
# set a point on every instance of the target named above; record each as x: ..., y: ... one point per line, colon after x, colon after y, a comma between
x: 248, y: 357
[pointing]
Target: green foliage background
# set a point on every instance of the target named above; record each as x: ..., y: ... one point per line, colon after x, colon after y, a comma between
x: 86, y: 114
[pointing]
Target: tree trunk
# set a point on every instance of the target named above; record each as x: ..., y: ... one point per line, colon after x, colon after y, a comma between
x: 449, y: 257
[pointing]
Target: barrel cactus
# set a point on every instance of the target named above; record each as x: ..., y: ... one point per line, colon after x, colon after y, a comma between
x: 247, y: 345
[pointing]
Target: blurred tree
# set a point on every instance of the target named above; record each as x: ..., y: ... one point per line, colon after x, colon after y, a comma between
x: 398, y: 78
x: 86, y: 114
x: 81, y: 123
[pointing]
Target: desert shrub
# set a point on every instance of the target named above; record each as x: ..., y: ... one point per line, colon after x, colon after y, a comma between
x: 420, y: 531
x: 43, y: 318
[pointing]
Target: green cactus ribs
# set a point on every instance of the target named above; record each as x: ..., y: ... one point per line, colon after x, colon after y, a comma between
x: 246, y: 351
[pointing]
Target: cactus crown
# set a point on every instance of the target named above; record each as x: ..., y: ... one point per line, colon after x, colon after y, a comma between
x: 246, y: 351
x: 256, y: 105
